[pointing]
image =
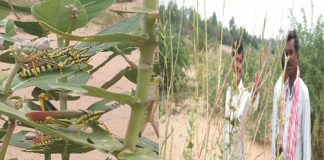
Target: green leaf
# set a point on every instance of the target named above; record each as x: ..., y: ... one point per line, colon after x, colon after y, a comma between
x: 5, y: 4
x: 8, y: 40
x: 123, y: 48
x: 32, y: 28
x: 130, y: 25
x: 186, y: 156
x: 10, y: 28
x: 80, y: 78
x: 56, y: 146
x: 7, y: 58
x: 139, y: 154
x: 68, y: 87
x: 33, y: 106
x: 3, y: 76
x: 58, y: 14
x: 97, y: 47
x: 131, y: 75
x: 17, y: 140
x: 136, y: 39
x: 50, y: 77
x: 4, y: 12
x: 190, y: 145
x: 115, y: 79
x: 94, y: 7
x: 2, y: 132
x: 149, y: 11
x: 98, y: 138
x: 147, y: 143
x: 101, y: 93
x: 127, y: 26
x: 3, y: 22
x: 101, y: 106
x: 51, y: 93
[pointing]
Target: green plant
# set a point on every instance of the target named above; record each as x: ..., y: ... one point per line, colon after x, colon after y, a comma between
x: 312, y: 72
x: 62, y: 17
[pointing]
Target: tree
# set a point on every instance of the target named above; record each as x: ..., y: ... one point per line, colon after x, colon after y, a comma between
x: 232, y: 27
x: 214, y: 19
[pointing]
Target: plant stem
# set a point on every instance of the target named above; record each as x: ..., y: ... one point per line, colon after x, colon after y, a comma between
x: 7, y: 83
x: 47, y: 156
x: 221, y: 49
x: 145, y: 69
x: 73, y: 19
x: 4, y: 96
x: 60, y: 42
x: 7, y: 138
x: 65, y: 155
x: 63, y: 95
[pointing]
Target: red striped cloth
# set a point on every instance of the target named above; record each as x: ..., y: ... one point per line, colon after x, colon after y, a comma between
x: 293, y: 120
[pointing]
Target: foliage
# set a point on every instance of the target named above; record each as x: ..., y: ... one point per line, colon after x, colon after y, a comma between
x: 213, y: 27
x: 311, y: 50
x: 62, y: 17
x: 172, y: 58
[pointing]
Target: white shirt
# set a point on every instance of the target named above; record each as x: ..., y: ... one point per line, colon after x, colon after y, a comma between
x: 303, y: 148
x: 240, y: 101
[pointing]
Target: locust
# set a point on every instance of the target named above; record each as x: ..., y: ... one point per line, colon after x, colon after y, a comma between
x: 67, y: 118
x: 58, y: 59
x: 43, y: 140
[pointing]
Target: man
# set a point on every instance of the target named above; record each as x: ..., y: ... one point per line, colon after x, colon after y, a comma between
x: 294, y: 109
x: 238, y: 100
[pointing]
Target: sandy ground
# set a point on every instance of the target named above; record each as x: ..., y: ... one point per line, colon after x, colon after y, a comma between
x: 177, y: 137
x: 116, y: 120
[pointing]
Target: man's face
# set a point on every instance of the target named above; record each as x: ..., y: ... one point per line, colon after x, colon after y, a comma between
x: 238, y: 65
x: 293, y: 60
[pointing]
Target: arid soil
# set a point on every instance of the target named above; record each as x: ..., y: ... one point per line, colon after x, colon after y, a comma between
x: 177, y: 136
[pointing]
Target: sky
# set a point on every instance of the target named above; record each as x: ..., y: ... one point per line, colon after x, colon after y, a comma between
x: 251, y: 13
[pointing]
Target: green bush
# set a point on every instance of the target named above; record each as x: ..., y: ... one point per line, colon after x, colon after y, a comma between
x: 311, y: 50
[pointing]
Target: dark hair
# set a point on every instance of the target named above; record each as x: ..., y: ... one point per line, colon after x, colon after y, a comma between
x: 237, y: 45
x: 291, y: 35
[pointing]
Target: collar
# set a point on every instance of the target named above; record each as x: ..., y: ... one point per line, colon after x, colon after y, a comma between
x: 290, y: 92
x: 240, y: 86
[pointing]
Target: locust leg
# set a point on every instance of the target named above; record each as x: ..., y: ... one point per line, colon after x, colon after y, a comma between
x: 106, y: 128
x: 41, y: 98
x: 60, y: 122
x: 81, y: 125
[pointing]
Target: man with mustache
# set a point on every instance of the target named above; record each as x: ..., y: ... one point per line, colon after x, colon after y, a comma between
x: 292, y: 106
x: 238, y: 100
